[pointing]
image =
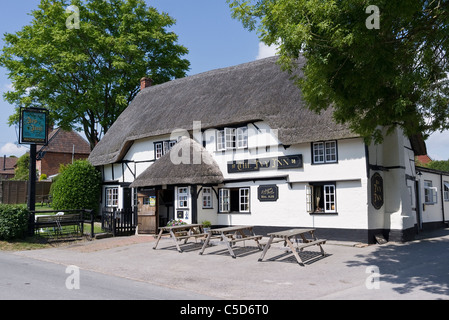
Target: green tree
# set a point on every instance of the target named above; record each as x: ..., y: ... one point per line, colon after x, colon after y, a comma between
x: 78, y: 186
x: 388, y: 70
x: 439, y: 165
x: 85, y: 64
x: 22, y: 171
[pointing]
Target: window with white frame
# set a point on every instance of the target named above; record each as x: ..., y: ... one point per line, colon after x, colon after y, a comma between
x: 111, y: 197
x: 321, y: 198
x: 224, y: 200
x: 324, y: 152
x: 183, y: 197
x: 242, y: 138
x: 207, y: 198
x: 163, y: 147
x: 221, y: 140
x: 234, y: 200
x: 232, y: 138
x: 430, y: 193
x: 244, y: 199
x: 446, y: 190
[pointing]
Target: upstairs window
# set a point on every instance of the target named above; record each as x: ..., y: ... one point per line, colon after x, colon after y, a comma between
x: 324, y: 152
x: 163, y: 147
x: 232, y: 138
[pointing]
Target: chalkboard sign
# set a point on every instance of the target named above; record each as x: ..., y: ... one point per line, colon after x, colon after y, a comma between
x: 268, y: 193
x: 377, y: 191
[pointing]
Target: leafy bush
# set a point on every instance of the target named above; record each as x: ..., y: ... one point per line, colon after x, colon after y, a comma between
x: 78, y: 186
x: 13, y: 221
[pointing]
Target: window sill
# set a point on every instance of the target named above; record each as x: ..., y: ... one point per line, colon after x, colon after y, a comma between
x: 234, y: 212
x: 323, y: 213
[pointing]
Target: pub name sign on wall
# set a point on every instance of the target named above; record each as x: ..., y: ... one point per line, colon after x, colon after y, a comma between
x: 33, y: 126
x: 273, y: 163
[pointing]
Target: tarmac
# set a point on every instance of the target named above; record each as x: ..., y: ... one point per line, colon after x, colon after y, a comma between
x: 416, y: 270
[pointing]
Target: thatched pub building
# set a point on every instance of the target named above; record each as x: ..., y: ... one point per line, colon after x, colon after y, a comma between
x: 237, y: 146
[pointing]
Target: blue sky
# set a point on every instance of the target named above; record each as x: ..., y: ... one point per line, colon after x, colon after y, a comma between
x: 205, y: 27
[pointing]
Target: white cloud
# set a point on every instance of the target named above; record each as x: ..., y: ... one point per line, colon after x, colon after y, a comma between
x: 10, y: 149
x: 266, y: 51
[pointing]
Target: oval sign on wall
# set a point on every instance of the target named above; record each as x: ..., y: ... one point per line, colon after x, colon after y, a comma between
x: 377, y: 191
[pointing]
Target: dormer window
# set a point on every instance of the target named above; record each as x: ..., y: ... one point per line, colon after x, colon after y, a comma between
x: 232, y: 138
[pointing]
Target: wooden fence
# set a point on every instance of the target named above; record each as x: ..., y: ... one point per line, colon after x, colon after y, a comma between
x: 16, y: 192
x: 119, y: 222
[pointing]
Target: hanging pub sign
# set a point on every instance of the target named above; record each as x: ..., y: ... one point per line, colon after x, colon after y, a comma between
x: 268, y: 193
x: 284, y: 162
x: 377, y: 191
x: 33, y: 126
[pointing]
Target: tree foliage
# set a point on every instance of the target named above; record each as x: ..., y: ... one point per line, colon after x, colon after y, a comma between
x: 393, y: 76
x: 78, y: 186
x: 87, y: 74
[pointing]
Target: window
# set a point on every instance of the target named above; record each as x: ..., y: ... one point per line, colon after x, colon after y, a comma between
x: 224, y: 200
x: 446, y: 190
x: 430, y: 193
x: 232, y: 138
x: 244, y: 200
x: 321, y: 198
x: 207, y: 198
x: 183, y: 197
x: 234, y: 200
x: 221, y: 145
x: 112, y: 197
x: 242, y: 138
x: 324, y: 152
x: 163, y: 147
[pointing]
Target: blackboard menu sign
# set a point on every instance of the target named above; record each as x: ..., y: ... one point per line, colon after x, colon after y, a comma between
x: 268, y: 193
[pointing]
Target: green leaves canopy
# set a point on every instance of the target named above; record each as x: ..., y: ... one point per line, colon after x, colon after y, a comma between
x: 393, y: 76
x: 86, y: 77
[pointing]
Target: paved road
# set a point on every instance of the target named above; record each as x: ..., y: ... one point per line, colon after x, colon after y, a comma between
x: 30, y: 279
x: 393, y: 271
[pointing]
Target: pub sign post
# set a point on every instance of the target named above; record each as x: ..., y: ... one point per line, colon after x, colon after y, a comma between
x: 33, y: 126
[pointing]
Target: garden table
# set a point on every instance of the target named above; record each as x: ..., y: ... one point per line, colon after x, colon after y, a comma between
x: 182, y: 232
x: 286, y: 236
x: 231, y: 235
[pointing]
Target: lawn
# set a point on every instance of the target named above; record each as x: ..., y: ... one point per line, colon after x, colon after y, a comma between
x: 44, y: 239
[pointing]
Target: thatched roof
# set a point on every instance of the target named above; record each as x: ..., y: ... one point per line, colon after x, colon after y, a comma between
x: 186, y: 163
x: 253, y: 91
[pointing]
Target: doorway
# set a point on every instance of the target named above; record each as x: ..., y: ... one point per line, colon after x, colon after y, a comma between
x: 166, y: 212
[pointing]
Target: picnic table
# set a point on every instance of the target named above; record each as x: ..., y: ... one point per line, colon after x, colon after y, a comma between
x: 286, y: 236
x: 182, y: 232
x: 231, y: 235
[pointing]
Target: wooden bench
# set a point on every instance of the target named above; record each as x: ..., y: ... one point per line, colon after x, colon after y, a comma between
x: 57, y: 222
x: 318, y: 242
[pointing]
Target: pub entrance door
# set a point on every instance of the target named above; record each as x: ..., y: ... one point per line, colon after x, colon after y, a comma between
x: 147, y: 212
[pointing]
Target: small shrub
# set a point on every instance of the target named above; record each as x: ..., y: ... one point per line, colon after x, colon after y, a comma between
x: 13, y: 221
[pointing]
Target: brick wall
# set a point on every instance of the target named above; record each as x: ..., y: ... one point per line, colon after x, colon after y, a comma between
x: 50, y: 163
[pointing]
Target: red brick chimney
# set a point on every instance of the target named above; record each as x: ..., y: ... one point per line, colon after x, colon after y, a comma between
x: 145, y: 83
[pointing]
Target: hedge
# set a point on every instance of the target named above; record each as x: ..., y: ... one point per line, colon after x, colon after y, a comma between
x: 13, y: 221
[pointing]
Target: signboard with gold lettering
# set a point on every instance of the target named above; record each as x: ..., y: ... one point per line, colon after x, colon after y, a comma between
x: 250, y: 165
x: 377, y: 191
x: 268, y: 193
x: 33, y: 126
